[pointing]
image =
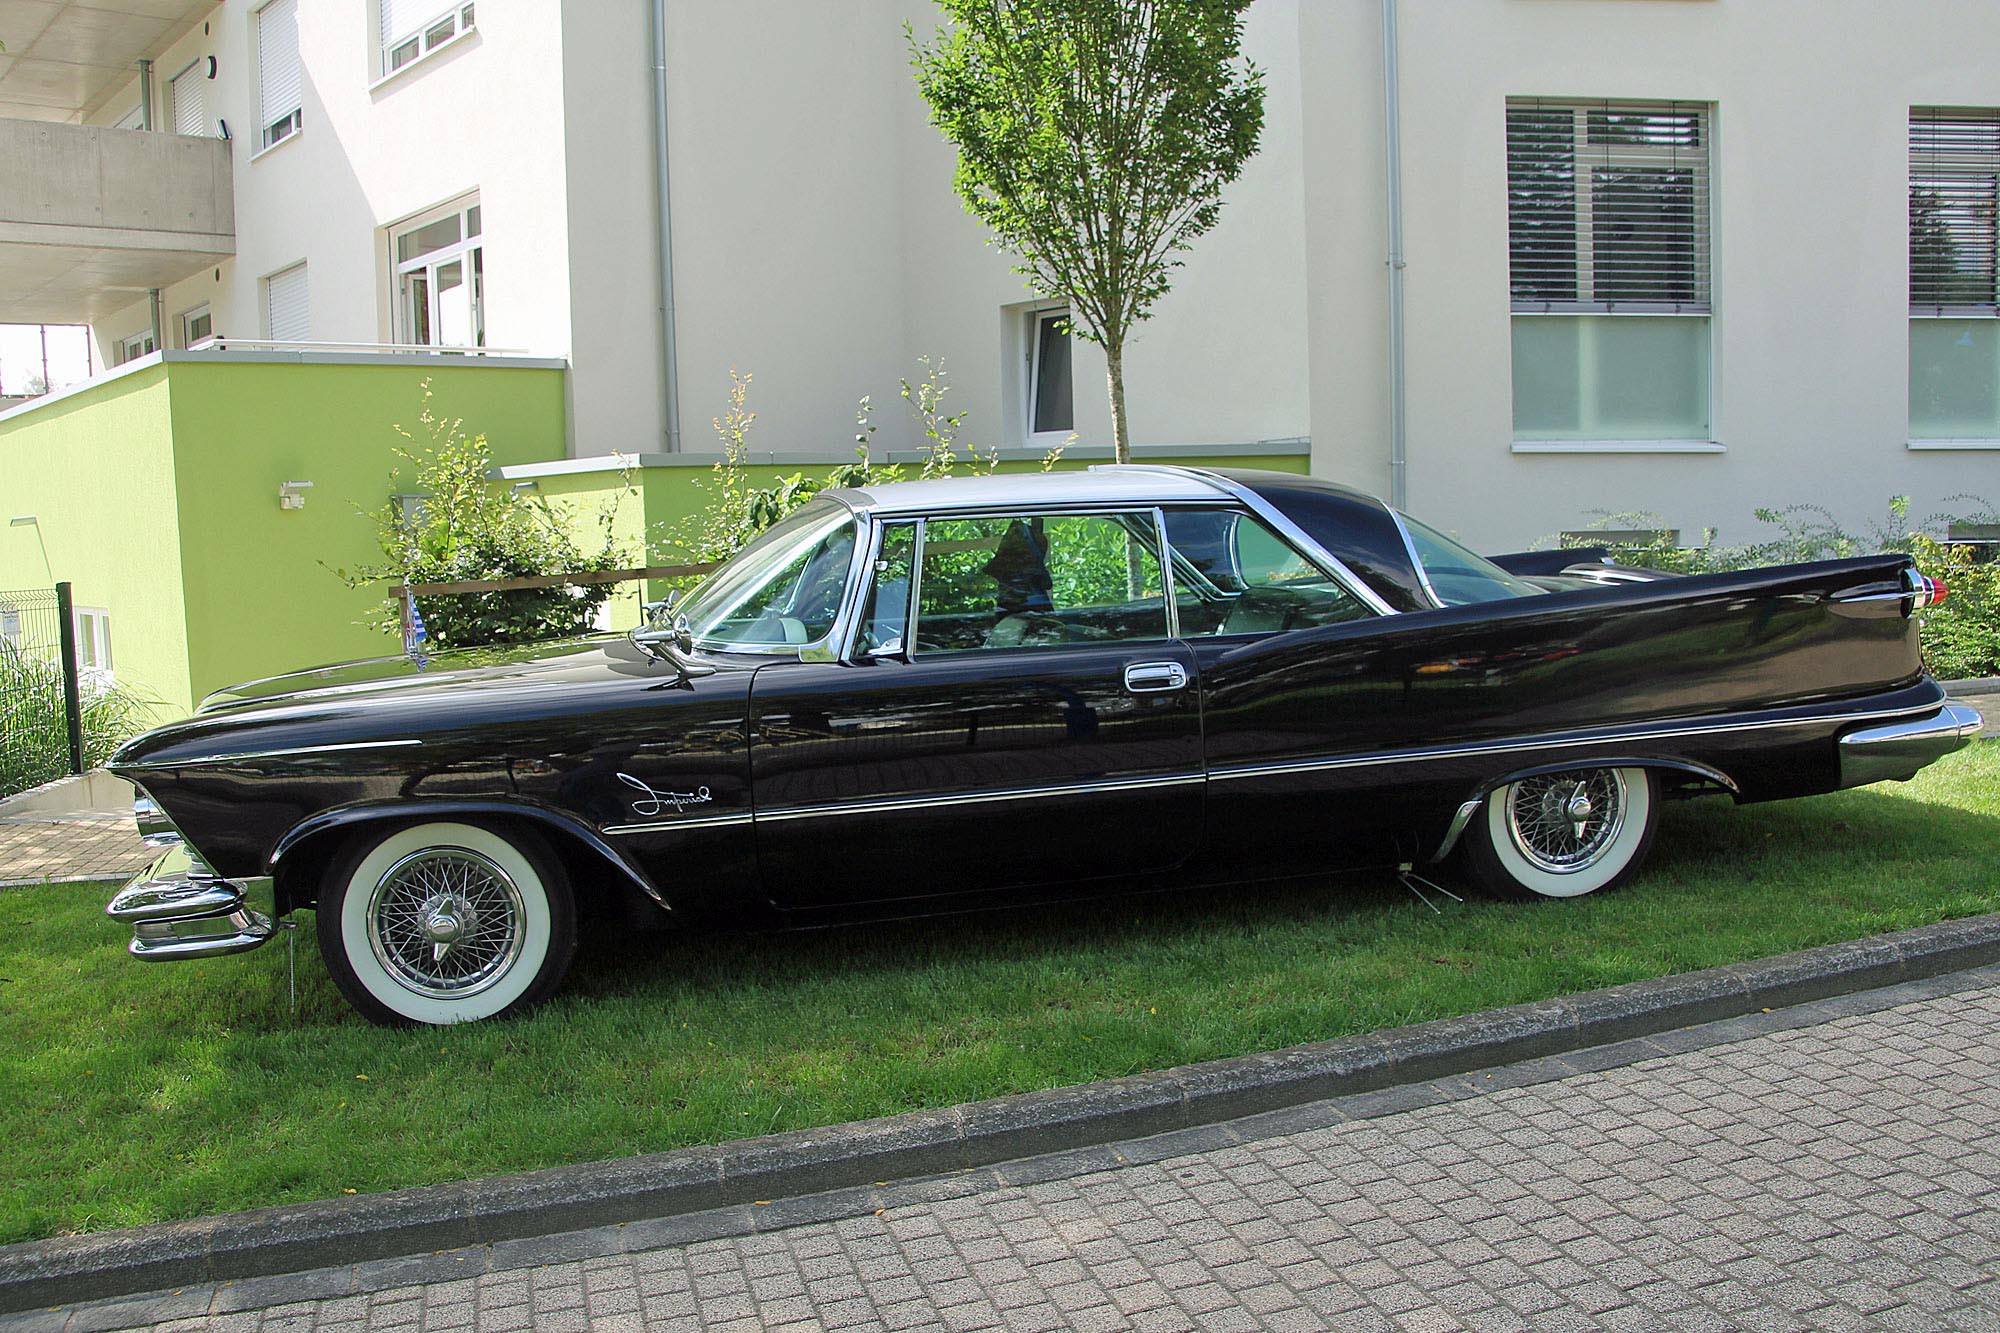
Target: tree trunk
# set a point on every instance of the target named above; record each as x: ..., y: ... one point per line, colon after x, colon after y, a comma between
x: 1114, y: 371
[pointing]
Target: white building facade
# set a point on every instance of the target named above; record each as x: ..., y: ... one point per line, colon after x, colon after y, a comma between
x: 1657, y: 255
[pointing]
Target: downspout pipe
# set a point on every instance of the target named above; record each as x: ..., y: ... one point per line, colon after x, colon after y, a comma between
x: 159, y: 325
x: 670, y: 387
x: 1392, y: 130
x: 145, y: 94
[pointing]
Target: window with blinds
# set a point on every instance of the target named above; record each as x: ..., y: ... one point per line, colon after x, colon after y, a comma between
x: 1954, y: 273
x: 189, y: 92
x: 413, y: 28
x: 288, y: 306
x: 1608, y: 270
x: 1607, y: 206
x: 280, y: 82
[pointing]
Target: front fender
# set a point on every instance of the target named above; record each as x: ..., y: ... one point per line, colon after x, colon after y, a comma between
x: 297, y: 843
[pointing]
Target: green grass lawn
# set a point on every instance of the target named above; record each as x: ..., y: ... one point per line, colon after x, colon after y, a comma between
x: 133, y: 1094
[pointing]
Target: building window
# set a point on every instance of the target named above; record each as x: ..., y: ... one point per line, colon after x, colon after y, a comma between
x: 93, y: 644
x: 288, y: 306
x: 1954, y: 273
x: 196, y: 324
x: 280, y: 83
x: 415, y: 28
x: 189, y: 95
x: 441, y: 279
x: 135, y: 119
x: 1051, y: 406
x: 136, y: 346
x: 1608, y: 249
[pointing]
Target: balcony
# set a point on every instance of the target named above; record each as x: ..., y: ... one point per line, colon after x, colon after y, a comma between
x: 92, y: 216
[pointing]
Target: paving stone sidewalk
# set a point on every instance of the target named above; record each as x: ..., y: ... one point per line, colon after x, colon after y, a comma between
x: 66, y: 848
x: 1833, y: 1176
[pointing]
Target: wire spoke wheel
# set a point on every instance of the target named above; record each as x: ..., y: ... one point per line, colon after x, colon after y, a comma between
x: 445, y: 922
x: 1566, y: 822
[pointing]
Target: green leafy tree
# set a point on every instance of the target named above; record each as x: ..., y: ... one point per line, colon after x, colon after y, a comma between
x: 1094, y: 138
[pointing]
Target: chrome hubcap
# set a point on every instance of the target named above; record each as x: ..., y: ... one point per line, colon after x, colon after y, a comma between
x: 446, y: 922
x: 1566, y: 822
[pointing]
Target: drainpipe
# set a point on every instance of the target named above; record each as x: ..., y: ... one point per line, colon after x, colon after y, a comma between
x: 159, y: 332
x: 1392, y: 122
x: 145, y: 94
x: 670, y: 389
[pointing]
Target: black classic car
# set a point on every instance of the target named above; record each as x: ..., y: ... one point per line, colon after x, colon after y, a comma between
x: 942, y: 695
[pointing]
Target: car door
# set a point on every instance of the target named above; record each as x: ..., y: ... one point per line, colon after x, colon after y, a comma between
x: 1014, y: 715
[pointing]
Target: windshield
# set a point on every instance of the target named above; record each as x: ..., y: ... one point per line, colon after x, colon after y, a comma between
x: 1458, y: 576
x: 783, y: 590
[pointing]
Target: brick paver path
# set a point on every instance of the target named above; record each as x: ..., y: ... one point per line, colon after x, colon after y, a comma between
x: 1834, y: 1176
x: 38, y: 849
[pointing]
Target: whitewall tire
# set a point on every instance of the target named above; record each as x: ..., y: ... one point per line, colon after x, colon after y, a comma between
x: 445, y: 922
x: 1562, y: 835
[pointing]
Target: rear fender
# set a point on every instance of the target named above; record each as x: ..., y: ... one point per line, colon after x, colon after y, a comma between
x: 1701, y: 773
x: 295, y: 860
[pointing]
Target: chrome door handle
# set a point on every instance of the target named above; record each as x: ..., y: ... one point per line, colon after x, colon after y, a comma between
x: 1154, y: 677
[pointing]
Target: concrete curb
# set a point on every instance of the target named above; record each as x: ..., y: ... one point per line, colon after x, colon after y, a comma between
x: 352, y: 1230
x: 1968, y: 689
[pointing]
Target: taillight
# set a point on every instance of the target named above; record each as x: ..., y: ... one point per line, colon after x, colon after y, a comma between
x: 1929, y: 591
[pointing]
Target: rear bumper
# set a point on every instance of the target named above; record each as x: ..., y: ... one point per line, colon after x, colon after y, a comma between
x: 178, y: 909
x: 1897, y: 751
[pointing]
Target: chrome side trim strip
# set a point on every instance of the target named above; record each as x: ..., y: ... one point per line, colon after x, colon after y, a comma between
x: 1543, y: 743
x: 661, y: 825
x: 268, y: 754
x: 977, y: 797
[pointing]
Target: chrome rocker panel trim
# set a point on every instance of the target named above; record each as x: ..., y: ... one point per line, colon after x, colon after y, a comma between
x: 1895, y: 752
x: 174, y: 907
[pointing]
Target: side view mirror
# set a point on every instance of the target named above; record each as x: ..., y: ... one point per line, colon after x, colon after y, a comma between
x: 661, y: 625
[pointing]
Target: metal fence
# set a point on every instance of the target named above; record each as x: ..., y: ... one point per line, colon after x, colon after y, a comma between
x: 41, y: 709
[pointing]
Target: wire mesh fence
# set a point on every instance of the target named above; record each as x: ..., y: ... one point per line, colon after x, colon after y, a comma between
x: 39, y: 709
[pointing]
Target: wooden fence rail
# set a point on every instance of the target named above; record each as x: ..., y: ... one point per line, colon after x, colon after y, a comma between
x: 552, y: 580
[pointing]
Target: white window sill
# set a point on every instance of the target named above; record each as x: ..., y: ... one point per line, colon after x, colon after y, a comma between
x: 1988, y: 444
x: 267, y: 151
x: 463, y: 35
x: 1619, y: 447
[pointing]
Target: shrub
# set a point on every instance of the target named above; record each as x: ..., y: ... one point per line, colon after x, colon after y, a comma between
x: 1961, y: 635
x: 461, y: 525
x: 33, y: 721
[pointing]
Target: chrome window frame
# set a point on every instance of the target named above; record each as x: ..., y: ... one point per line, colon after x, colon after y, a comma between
x: 1416, y: 561
x: 845, y: 618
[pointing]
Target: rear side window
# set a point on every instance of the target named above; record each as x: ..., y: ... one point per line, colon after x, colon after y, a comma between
x: 1458, y: 576
x: 1234, y: 575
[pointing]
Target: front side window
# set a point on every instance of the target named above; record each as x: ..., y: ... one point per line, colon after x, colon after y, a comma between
x: 783, y: 590
x: 280, y: 83
x: 1034, y: 580
x: 1608, y: 249
x: 1954, y: 273
x: 1233, y: 575
x: 441, y: 280
x: 1458, y: 575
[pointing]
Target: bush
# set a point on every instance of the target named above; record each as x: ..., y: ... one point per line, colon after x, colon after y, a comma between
x: 33, y: 721
x: 1961, y: 635
x: 461, y: 525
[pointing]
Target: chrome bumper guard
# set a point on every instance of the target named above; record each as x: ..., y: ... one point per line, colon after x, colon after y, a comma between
x: 1895, y: 752
x: 179, y: 909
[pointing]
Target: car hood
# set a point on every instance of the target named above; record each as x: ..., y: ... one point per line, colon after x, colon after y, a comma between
x: 360, y: 703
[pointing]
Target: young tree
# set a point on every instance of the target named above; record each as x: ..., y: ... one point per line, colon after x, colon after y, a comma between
x: 1094, y: 137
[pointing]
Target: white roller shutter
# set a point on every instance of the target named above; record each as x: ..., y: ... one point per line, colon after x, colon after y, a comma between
x: 191, y: 100
x: 401, y: 18
x: 287, y: 306
x: 280, y: 86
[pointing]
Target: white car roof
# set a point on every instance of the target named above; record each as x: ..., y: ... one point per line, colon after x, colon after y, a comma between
x: 1108, y: 484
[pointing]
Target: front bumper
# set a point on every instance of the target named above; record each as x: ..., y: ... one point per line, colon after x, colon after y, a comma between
x: 179, y: 909
x: 1897, y: 751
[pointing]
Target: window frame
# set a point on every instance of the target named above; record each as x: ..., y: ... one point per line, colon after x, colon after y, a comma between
x: 1032, y: 321
x: 173, y: 116
x: 137, y: 345
x: 187, y: 318
x: 92, y: 626
x: 1958, y: 165
x: 286, y: 125
x: 463, y: 15
x: 469, y: 249
x: 302, y: 267
x: 1592, y: 433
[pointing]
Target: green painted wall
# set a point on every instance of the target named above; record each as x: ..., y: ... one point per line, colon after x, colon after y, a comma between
x: 260, y: 589
x: 96, y: 471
